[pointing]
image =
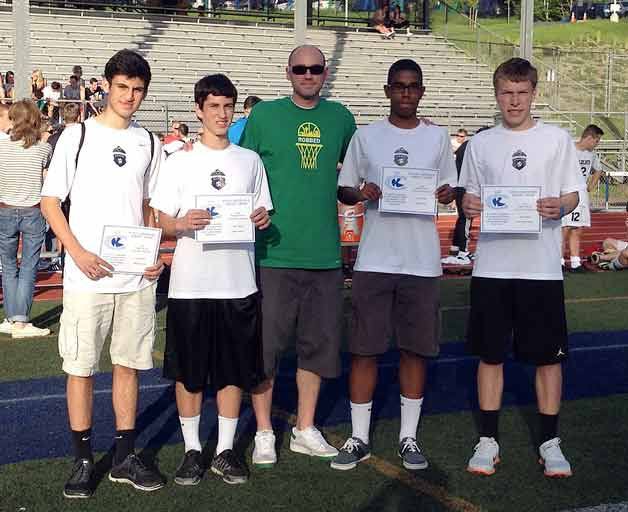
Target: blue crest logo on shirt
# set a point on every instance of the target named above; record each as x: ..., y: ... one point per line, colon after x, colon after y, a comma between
x: 119, y: 156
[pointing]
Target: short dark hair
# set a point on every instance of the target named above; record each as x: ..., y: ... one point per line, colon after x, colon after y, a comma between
x: 55, y: 86
x: 251, y: 101
x: 516, y: 70
x: 77, y: 70
x: 74, y: 77
x: 404, y: 65
x: 592, y: 130
x: 93, y: 80
x: 130, y: 64
x: 216, y: 85
x: 183, y: 129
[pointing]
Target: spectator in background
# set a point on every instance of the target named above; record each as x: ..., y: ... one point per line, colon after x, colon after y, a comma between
x: 52, y: 95
x: 174, y: 133
x: 381, y: 19
x: 72, y: 91
x: 23, y: 158
x: 38, y: 83
x: 9, y: 82
x: 458, y: 139
x: 236, y: 129
x: 77, y: 71
x: 5, y: 123
x: 94, y: 96
x: 177, y: 143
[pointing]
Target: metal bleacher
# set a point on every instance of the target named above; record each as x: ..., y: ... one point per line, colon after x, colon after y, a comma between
x: 180, y: 51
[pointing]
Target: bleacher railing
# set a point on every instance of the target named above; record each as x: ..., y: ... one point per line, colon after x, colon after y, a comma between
x: 355, y: 13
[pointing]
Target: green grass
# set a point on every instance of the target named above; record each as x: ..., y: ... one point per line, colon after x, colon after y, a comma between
x: 594, y: 438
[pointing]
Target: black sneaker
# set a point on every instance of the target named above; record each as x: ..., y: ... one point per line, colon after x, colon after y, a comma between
x: 133, y: 471
x: 80, y: 484
x: 227, y: 465
x: 191, y: 469
x: 578, y: 270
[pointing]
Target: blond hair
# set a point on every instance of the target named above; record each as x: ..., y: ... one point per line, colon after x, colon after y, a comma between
x: 26, y: 120
x: 38, y: 79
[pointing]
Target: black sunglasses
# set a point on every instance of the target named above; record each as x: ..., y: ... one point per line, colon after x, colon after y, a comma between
x: 300, y: 69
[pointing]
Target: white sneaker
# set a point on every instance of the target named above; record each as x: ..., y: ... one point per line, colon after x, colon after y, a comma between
x: 485, y: 456
x: 264, y: 454
x: 556, y: 465
x: 6, y: 327
x: 463, y: 258
x: 311, y: 442
x: 449, y: 260
x: 29, y: 331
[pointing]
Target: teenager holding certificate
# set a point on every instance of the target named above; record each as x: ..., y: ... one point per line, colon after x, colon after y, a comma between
x: 214, y: 329
x: 516, y: 297
x: 107, y: 169
x: 396, y: 288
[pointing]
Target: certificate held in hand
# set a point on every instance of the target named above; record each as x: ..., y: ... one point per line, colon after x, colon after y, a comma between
x: 510, y: 209
x: 410, y: 191
x: 230, y: 218
x: 130, y: 249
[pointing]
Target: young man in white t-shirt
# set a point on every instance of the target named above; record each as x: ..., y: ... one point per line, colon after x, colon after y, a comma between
x: 396, y: 289
x: 574, y: 223
x: 214, y: 323
x: 517, y: 297
x: 107, y: 167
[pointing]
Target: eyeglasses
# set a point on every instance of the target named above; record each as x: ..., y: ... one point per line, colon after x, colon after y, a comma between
x: 399, y: 88
x: 300, y: 69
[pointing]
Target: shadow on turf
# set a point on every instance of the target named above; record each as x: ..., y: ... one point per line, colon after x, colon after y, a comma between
x: 49, y: 318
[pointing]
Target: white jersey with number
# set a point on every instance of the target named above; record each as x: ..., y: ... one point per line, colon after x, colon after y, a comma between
x: 202, y: 270
x: 542, y: 156
x: 115, y: 174
x: 581, y: 217
x: 398, y: 243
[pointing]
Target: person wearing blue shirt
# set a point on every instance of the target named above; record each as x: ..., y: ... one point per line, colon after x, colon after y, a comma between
x: 237, y: 128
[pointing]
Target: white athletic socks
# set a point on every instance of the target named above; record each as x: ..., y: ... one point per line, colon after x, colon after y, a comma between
x: 189, y: 428
x: 410, y: 414
x: 361, y: 420
x: 226, y: 433
x: 575, y: 261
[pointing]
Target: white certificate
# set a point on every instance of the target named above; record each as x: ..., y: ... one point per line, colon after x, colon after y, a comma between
x: 130, y: 249
x: 410, y: 191
x: 510, y: 209
x: 230, y: 218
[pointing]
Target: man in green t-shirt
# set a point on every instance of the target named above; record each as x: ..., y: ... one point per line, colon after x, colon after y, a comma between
x: 301, y: 140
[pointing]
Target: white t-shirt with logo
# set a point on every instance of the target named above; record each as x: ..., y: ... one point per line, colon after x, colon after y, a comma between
x: 542, y: 156
x: 398, y: 243
x: 114, y: 176
x: 202, y: 270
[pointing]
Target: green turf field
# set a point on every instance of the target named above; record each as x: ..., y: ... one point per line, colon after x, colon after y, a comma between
x: 594, y: 441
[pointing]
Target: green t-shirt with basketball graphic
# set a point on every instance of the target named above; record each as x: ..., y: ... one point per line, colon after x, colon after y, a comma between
x: 301, y: 149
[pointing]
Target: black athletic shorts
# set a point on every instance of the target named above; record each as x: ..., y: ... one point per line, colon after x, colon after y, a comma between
x: 527, y: 315
x: 215, y: 341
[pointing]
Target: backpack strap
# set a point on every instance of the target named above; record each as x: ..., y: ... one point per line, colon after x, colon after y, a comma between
x: 152, y: 150
x: 80, y: 146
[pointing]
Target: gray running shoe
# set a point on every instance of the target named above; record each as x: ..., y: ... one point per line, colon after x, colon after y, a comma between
x: 411, y: 455
x: 191, y: 469
x: 352, y: 452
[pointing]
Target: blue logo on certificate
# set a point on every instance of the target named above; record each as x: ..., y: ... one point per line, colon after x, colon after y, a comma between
x: 117, y: 242
x: 213, y: 212
x: 396, y: 182
x: 498, y: 201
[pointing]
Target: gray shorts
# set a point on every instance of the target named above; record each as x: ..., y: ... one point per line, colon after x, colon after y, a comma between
x: 400, y: 306
x: 302, y: 307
